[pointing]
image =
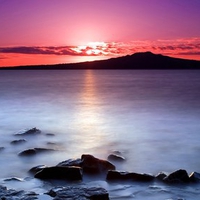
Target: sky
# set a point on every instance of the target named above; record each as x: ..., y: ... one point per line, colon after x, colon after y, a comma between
x: 65, y: 31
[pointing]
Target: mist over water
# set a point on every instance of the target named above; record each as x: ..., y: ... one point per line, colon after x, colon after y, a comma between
x: 151, y: 117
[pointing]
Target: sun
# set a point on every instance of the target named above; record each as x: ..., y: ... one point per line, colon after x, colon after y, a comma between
x: 91, y: 49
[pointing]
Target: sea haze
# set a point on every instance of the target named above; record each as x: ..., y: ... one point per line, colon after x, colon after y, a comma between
x: 150, y: 116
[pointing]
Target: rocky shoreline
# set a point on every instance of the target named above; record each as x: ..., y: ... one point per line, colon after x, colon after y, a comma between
x: 74, y: 170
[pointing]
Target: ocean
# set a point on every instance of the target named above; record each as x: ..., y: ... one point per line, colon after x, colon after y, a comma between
x: 150, y: 116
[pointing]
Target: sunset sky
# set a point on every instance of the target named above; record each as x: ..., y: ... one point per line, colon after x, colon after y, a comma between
x: 64, y: 31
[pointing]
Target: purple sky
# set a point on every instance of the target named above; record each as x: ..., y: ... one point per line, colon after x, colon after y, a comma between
x: 54, y: 31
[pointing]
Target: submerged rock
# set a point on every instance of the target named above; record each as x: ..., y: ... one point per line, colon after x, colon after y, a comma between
x: 194, y: 177
x: 65, y: 173
x: 116, y: 157
x: 32, y: 131
x: 10, y: 194
x: 36, y: 169
x: 121, y: 175
x: 34, y: 151
x: 71, y: 162
x: 160, y: 176
x: 82, y: 193
x: 179, y: 176
x: 90, y: 164
x: 20, y: 141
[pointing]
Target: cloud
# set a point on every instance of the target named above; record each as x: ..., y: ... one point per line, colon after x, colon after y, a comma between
x: 182, y: 46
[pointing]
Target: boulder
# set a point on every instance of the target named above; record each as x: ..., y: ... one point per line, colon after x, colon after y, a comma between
x: 122, y: 175
x: 32, y: 131
x: 116, y: 157
x: 83, y: 193
x: 90, y: 164
x: 36, y: 169
x: 194, y: 177
x: 57, y: 172
x: 160, y: 176
x: 20, y: 141
x: 71, y: 162
x: 10, y: 194
x: 34, y: 151
x: 179, y: 176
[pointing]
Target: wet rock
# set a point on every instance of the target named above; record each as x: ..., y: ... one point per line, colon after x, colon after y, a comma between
x: 71, y: 162
x: 34, y: 151
x: 57, y: 172
x: 90, y: 164
x: 179, y: 176
x: 194, y: 177
x: 82, y: 193
x: 28, y: 152
x: 121, y: 175
x: 10, y: 194
x: 32, y: 131
x: 36, y: 169
x: 160, y: 176
x: 116, y: 157
x: 2, y: 148
x: 20, y: 141
x: 14, y: 179
x: 50, y: 134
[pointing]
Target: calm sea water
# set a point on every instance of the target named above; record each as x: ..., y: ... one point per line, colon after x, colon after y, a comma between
x: 151, y: 117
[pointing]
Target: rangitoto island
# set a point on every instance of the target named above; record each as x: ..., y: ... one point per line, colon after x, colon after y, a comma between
x: 142, y: 60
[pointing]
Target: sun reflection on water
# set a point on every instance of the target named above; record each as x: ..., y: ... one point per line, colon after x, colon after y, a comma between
x: 89, y: 115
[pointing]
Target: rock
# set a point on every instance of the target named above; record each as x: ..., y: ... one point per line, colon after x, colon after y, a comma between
x: 116, y: 157
x: 10, y: 194
x: 121, y: 175
x: 82, y: 193
x: 32, y: 131
x: 2, y: 148
x: 179, y: 176
x: 71, y: 162
x: 160, y: 176
x: 28, y: 152
x: 14, y: 179
x: 194, y: 177
x: 36, y: 169
x: 90, y: 164
x: 20, y: 141
x: 57, y: 172
x: 34, y: 151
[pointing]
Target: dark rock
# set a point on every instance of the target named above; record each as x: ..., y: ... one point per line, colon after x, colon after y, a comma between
x: 2, y: 148
x: 14, y: 179
x: 50, y: 134
x: 66, y: 173
x: 194, y: 177
x: 28, y: 152
x: 82, y: 193
x: 34, y: 151
x: 10, y: 194
x: 36, y: 169
x: 90, y: 164
x: 20, y: 141
x: 121, y: 175
x: 160, y: 176
x: 116, y: 157
x: 179, y: 176
x: 71, y: 162
x: 32, y: 131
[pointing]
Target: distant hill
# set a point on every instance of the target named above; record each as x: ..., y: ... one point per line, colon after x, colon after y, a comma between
x: 146, y: 60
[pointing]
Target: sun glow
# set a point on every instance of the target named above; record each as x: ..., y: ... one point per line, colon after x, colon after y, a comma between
x: 92, y: 49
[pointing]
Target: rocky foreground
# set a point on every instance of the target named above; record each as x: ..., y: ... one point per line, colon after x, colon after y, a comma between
x: 74, y: 170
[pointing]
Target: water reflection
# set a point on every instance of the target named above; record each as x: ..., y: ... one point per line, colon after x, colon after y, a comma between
x: 89, y: 117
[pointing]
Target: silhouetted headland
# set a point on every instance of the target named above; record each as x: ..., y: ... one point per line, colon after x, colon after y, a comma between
x: 145, y: 60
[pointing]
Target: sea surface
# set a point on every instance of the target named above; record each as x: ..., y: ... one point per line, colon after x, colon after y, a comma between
x: 151, y: 117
